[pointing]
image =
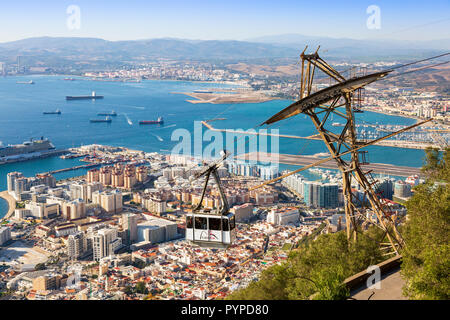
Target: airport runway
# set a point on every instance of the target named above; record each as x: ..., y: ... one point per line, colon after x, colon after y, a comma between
x: 298, y: 160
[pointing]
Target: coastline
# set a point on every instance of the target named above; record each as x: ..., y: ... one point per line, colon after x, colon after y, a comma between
x: 11, y: 204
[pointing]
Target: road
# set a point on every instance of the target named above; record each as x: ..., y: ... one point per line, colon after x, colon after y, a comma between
x: 299, y: 160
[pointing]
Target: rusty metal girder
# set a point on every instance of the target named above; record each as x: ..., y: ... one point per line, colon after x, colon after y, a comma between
x: 325, y: 95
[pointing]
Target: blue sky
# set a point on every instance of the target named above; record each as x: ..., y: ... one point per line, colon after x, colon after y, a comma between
x: 224, y: 19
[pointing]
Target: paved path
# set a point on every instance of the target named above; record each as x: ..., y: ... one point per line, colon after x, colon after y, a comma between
x: 11, y: 204
x: 391, y: 289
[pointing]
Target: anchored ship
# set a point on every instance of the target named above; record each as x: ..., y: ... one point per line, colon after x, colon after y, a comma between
x: 112, y: 113
x: 159, y: 121
x: 107, y: 119
x: 28, y: 150
x: 93, y: 96
x: 57, y: 111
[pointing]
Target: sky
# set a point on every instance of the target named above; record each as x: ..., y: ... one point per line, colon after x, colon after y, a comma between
x: 224, y: 19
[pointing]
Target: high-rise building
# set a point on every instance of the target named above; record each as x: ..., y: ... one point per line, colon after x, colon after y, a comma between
x: 320, y: 195
x: 110, y: 201
x: 105, y: 242
x: 91, y: 188
x: 105, y: 175
x: 11, y: 178
x: 76, y: 245
x: 141, y: 173
x: 5, y: 235
x: 117, y: 177
x: 93, y: 175
x: 385, y: 188
x: 74, y: 209
x: 78, y: 190
x: 129, y: 225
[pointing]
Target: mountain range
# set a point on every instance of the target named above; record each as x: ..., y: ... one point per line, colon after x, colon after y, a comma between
x: 288, y: 46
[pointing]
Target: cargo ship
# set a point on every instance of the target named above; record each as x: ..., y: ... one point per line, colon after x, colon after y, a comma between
x: 28, y: 150
x: 57, y: 111
x: 93, y: 96
x: 107, y: 119
x: 159, y: 121
x: 111, y: 114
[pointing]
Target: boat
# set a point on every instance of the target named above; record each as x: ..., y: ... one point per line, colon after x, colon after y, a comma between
x: 337, y: 124
x: 28, y: 150
x: 57, y: 111
x: 93, y: 96
x: 112, y: 113
x: 159, y: 121
x: 107, y: 119
x: 25, y: 82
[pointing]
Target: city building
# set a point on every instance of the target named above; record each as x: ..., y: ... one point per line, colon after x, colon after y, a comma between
x: 110, y: 201
x: 156, y: 230
x: 77, y: 245
x: 129, y: 225
x: 320, y: 195
x: 74, y: 209
x: 243, y: 212
x: 283, y: 216
x: 402, y: 189
x: 43, y: 210
x: 5, y: 235
x: 105, y: 242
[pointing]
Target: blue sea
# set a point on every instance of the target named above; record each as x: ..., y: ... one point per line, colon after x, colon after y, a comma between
x: 21, y: 118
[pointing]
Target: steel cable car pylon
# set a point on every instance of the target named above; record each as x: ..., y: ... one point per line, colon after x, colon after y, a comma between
x: 338, y: 99
x: 208, y: 228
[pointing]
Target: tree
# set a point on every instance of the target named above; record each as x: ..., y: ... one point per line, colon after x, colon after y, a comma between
x: 317, y: 268
x: 40, y: 266
x: 141, y: 288
x: 426, y: 256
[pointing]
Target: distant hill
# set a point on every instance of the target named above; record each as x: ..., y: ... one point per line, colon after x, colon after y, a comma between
x: 93, y: 51
x: 365, y: 50
x: 88, y: 48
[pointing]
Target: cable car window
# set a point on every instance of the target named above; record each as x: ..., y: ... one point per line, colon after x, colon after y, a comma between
x: 189, y: 222
x: 232, y: 223
x: 225, y: 225
x: 214, y: 224
x: 200, y: 223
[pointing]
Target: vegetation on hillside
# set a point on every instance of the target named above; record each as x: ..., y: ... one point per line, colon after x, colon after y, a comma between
x: 426, y: 257
x: 316, y: 268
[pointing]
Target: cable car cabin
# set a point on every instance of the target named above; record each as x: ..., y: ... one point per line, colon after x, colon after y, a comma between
x: 211, y: 230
